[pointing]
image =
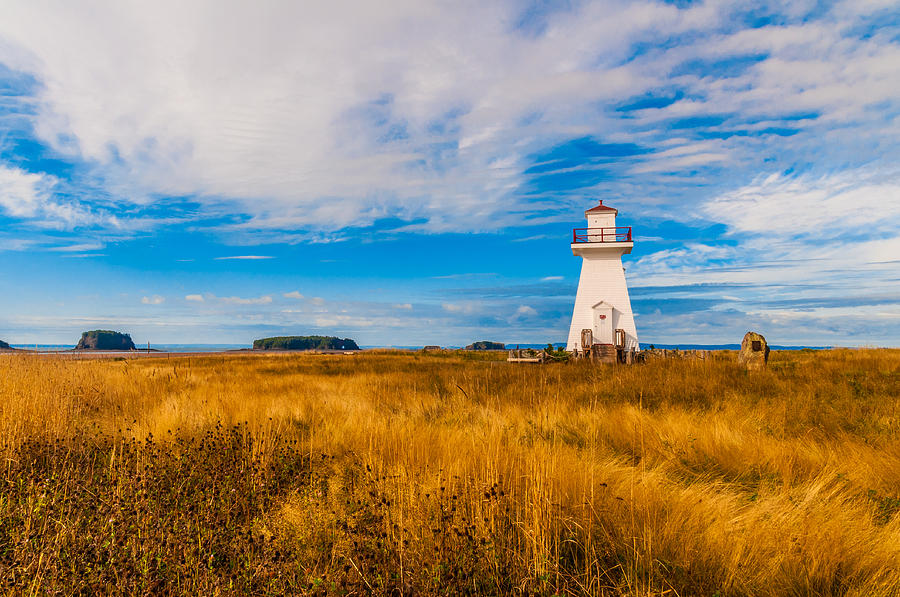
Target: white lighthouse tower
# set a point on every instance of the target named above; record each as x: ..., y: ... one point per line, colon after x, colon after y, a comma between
x: 602, y: 304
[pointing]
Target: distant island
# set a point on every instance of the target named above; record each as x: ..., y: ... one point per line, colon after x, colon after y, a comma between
x: 305, y: 343
x: 5, y: 346
x: 105, y: 340
x: 485, y: 345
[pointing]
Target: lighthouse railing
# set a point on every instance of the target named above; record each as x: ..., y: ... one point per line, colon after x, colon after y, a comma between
x: 619, y: 234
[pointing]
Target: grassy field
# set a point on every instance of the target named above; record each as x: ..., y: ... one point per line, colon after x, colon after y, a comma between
x: 445, y: 474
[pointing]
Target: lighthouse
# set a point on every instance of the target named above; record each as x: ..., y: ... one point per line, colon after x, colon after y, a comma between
x: 602, y: 313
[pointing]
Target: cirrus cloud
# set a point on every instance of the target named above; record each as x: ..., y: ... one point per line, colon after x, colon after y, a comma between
x: 444, y: 117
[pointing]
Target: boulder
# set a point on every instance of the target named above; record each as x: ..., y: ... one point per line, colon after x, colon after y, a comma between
x: 754, y: 351
x: 105, y: 340
x: 486, y: 345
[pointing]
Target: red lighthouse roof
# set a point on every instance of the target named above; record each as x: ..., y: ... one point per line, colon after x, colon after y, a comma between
x: 601, y: 208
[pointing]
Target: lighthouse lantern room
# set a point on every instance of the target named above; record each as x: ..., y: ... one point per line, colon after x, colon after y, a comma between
x: 602, y: 313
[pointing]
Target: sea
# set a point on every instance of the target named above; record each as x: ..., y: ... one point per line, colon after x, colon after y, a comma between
x: 644, y: 346
x: 201, y: 348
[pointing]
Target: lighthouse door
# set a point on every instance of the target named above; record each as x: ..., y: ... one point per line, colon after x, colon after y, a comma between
x: 603, y: 323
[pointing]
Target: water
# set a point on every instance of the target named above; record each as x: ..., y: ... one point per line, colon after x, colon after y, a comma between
x: 44, y: 347
x: 199, y: 348
x: 646, y: 345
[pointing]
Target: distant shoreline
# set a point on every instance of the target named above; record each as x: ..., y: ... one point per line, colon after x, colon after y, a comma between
x: 199, y: 349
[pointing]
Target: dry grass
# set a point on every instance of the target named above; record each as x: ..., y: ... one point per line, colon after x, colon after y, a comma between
x: 406, y: 473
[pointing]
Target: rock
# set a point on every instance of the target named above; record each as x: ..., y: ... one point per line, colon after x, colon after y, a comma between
x: 430, y: 348
x: 754, y: 352
x: 485, y: 345
x: 305, y: 343
x: 105, y: 340
x: 5, y: 346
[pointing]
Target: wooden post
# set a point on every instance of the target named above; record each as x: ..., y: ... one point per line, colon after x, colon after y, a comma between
x: 587, y: 339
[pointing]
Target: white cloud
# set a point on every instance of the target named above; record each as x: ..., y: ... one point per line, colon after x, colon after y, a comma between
x: 16, y: 244
x: 23, y: 194
x: 812, y: 257
x: 337, y: 114
x: 464, y: 276
x: 551, y: 278
x: 403, y: 306
x: 525, y: 311
x: 294, y: 294
x: 357, y: 322
x: 153, y: 300
x: 662, y: 162
x: 30, y: 196
x: 236, y: 300
x: 827, y: 207
x: 693, y: 257
x: 531, y: 238
x: 465, y: 308
x: 76, y: 248
x: 244, y: 257
x: 228, y: 300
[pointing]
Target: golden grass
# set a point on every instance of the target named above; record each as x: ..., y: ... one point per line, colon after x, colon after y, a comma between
x: 443, y: 473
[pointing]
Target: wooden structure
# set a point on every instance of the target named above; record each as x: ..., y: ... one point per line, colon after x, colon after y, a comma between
x: 527, y: 355
x: 621, y: 351
x: 664, y: 353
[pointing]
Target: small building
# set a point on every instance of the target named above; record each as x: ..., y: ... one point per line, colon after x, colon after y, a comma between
x: 602, y: 314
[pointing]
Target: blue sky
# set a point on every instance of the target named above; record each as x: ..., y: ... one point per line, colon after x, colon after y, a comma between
x: 409, y: 173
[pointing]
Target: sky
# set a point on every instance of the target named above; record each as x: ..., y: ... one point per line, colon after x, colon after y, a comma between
x: 407, y: 173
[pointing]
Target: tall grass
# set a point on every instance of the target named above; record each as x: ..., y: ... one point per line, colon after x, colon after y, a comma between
x: 445, y: 474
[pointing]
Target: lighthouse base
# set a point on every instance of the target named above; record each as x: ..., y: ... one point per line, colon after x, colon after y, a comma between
x: 602, y: 305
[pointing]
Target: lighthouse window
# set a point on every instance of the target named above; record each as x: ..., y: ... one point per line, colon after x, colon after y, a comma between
x: 757, y: 346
